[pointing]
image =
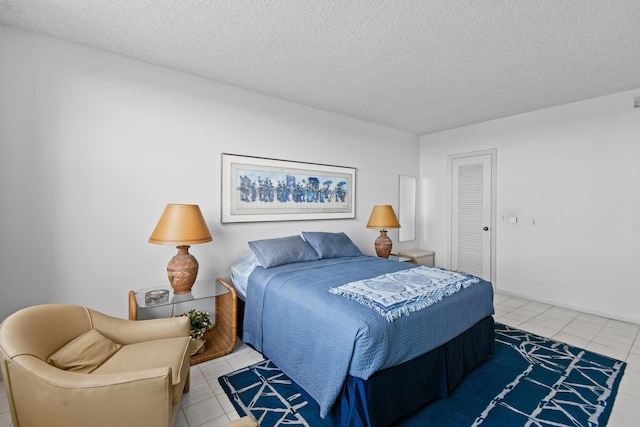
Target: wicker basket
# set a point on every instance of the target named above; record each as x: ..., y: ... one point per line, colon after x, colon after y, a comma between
x: 197, y: 346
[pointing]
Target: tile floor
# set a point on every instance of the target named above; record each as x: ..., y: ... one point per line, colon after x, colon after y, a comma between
x: 206, y: 405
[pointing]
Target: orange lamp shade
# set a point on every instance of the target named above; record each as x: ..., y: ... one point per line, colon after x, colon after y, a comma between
x: 181, y: 225
x: 383, y: 217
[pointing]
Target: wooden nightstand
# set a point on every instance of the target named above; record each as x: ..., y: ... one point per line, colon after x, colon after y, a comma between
x: 221, y: 338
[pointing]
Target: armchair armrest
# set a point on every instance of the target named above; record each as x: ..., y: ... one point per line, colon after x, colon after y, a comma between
x: 142, y: 398
x: 132, y: 331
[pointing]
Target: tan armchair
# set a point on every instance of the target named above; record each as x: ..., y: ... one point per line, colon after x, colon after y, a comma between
x: 140, y: 384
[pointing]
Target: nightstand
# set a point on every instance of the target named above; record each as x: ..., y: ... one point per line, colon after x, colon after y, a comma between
x: 399, y: 258
x: 421, y: 256
x: 221, y: 338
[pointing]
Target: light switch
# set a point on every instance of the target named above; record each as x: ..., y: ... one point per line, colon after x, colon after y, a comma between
x: 513, y: 219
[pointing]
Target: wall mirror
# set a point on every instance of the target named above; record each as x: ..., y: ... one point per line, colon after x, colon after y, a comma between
x: 407, y: 208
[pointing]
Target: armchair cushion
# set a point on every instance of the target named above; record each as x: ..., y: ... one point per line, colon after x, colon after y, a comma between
x: 85, y: 353
x: 168, y: 352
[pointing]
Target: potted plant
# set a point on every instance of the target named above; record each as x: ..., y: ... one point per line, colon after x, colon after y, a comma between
x: 200, y: 324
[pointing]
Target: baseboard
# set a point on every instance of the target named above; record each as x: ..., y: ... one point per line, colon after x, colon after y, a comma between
x: 571, y: 307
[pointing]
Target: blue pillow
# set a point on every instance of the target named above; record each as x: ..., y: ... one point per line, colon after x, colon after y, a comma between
x: 283, y: 250
x: 331, y: 245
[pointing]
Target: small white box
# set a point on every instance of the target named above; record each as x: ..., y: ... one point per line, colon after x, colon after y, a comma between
x: 422, y: 256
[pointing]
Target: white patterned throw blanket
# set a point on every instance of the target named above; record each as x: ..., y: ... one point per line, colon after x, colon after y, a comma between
x: 403, y: 292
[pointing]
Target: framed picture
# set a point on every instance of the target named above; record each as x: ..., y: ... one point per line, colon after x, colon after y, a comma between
x: 259, y: 189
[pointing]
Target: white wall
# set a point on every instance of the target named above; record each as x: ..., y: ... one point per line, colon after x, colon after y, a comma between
x: 93, y: 146
x: 574, y: 169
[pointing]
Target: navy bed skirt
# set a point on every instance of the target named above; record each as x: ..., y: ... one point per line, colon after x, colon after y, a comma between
x: 398, y: 391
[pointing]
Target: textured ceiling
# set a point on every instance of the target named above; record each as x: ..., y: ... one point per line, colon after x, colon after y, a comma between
x: 420, y: 66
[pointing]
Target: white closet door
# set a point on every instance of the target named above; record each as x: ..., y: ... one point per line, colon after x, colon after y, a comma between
x: 471, y: 202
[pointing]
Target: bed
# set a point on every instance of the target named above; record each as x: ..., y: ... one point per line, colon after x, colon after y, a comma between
x: 362, y: 366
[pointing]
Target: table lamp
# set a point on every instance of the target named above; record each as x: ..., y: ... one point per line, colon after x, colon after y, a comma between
x: 383, y: 217
x: 181, y: 225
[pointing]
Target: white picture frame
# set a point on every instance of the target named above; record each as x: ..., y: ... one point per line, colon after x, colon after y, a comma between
x: 258, y: 189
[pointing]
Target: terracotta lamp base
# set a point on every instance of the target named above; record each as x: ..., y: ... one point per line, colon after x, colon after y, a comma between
x: 383, y: 245
x: 182, y: 271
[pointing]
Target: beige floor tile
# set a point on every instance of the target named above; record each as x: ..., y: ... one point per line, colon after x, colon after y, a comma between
x: 562, y: 312
x: 538, y: 307
x: 538, y: 329
x: 524, y: 311
x: 607, y: 351
x: 221, y: 421
x: 225, y: 402
x: 622, y: 326
x: 592, y: 318
x: 571, y: 339
x: 512, y: 319
x: 197, y: 393
x: 614, y: 342
x: 181, y: 421
x: 634, y: 360
x: 203, y: 412
x: 514, y: 302
x: 500, y: 312
x: 583, y: 329
x: 498, y: 298
x: 550, y: 322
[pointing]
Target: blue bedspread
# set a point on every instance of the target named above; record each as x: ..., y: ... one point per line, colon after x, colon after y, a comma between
x: 318, y: 338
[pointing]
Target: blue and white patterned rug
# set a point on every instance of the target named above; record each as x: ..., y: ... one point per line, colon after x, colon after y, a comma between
x: 530, y: 380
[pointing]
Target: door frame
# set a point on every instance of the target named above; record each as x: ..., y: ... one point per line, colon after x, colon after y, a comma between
x: 493, y: 152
